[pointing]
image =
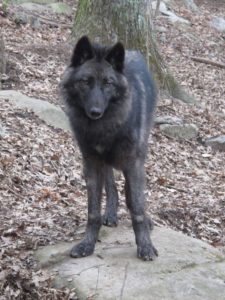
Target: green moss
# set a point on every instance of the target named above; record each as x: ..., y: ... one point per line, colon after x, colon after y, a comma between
x: 32, y: 1
x: 60, y: 8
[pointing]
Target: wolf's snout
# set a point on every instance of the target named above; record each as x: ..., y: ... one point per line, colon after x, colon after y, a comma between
x: 95, y: 113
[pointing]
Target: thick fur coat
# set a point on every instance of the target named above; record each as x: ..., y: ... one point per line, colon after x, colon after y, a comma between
x: 111, y: 98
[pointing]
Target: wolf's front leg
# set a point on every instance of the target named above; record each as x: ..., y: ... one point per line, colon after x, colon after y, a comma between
x: 93, y: 171
x: 134, y: 187
x: 110, y: 216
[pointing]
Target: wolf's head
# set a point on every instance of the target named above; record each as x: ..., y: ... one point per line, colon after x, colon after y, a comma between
x: 94, y: 81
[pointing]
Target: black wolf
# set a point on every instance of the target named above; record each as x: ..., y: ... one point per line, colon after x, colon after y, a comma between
x: 111, y: 98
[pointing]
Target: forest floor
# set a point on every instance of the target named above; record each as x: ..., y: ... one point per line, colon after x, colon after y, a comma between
x: 42, y: 191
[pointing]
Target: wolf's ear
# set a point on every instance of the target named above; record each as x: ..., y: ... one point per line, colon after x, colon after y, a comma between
x: 116, y: 56
x: 83, y: 51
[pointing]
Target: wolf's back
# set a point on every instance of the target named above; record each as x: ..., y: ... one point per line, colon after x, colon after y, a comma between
x: 142, y: 86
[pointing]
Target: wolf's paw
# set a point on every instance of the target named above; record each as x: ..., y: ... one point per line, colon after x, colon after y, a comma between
x: 82, y: 249
x: 110, y: 220
x: 147, y: 252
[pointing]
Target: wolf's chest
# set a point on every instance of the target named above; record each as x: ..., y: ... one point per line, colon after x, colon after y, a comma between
x: 100, y: 149
x: 115, y: 153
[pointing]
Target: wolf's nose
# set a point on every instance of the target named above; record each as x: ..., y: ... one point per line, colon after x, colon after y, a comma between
x: 95, y: 113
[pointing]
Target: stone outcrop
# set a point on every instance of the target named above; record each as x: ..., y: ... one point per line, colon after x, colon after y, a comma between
x: 186, y: 268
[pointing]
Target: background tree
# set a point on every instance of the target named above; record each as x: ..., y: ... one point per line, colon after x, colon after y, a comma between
x: 2, y: 60
x: 130, y: 21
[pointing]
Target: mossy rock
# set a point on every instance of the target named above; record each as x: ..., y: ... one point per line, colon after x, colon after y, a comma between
x: 181, y: 131
x: 60, y: 8
x: 34, y: 7
x: 32, y: 1
x: 217, y: 143
x: 56, y: 8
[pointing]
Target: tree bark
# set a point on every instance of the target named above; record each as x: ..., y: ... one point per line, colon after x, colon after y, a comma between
x: 2, y: 60
x: 129, y: 21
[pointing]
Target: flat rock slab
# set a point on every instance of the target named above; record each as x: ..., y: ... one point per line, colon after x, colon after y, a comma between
x: 173, y: 18
x: 168, y: 120
x: 186, y: 268
x: 191, y: 5
x: 50, y: 113
x: 218, y: 23
x: 2, y: 131
x: 59, y: 7
x: 180, y: 131
x: 217, y: 143
x: 32, y: 1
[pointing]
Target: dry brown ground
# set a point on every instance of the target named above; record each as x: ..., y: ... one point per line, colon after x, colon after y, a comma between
x: 42, y: 192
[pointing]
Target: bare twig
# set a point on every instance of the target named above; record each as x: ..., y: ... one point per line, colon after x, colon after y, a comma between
x: 15, y: 193
x: 209, y: 62
x: 49, y: 22
x: 84, y: 270
x: 176, y: 189
x: 96, y: 288
x: 124, y: 281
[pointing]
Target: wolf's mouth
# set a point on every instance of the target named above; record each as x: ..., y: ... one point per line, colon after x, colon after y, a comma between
x: 95, y: 117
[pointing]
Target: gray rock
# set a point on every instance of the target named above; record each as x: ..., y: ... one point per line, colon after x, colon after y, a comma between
x: 185, y: 131
x: 162, y: 38
x: 21, y: 17
x: 46, y: 111
x: 161, y: 29
x: 32, y: 1
x: 218, y: 23
x: 186, y: 268
x: 162, y: 7
x: 168, y: 120
x: 173, y: 18
x: 60, y: 8
x: 191, y: 5
x: 34, y: 7
x: 24, y: 12
x: 217, y: 143
x: 2, y: 131
x: 176, y: 19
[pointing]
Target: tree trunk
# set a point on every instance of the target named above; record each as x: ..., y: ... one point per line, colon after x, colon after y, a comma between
x: 2, y: 60
x: 129, y: 21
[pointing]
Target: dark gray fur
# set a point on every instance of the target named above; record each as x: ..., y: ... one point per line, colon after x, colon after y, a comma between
x: 111, y: 99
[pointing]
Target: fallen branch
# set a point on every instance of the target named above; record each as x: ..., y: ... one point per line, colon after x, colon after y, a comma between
x: 207, y: 61
x: 49, y: 22
x: 174, y: 188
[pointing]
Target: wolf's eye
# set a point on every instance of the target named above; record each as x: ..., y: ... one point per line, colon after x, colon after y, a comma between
x: 84, y: 81
x: 107, y: 82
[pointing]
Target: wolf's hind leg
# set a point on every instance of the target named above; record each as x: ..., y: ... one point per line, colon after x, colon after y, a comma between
x: 134, y: 187
x: 110, y: 216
